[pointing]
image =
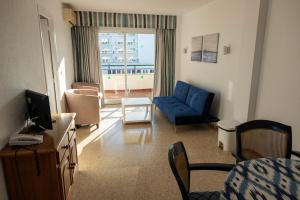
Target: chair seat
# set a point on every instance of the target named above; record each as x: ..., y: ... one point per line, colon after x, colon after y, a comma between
x: 204, y: 195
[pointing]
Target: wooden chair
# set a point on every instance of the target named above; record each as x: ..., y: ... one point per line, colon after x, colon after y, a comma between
x: 263, y: 139
x: 181, y: 169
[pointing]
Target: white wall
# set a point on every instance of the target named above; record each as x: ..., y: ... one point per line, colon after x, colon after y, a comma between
x: 21, y: 62
x: 230, y: 78
x: 21, y: 66
x: 279, y: 96
x: 260, y: 77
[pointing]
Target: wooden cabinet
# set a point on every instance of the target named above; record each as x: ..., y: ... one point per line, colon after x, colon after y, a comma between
x: 65, y: 176
x: 44, y: 171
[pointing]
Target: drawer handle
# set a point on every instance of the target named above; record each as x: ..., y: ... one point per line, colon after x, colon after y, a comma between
x: 65, y: 146
x: 72, y: 165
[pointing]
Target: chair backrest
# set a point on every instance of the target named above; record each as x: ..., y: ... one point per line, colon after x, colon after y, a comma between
x: 83, y: 85
x: 180, y: 167
x: 263, y: 138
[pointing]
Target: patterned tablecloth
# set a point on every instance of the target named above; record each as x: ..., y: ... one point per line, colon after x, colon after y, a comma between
x: 264, y: 179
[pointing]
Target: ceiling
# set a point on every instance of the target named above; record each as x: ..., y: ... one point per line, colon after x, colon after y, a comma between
x: 167, y: 7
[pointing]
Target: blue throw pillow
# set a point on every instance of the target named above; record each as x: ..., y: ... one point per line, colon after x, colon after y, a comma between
x: 181, y: 91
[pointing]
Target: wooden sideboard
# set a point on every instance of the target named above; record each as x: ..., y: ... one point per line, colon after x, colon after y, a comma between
x: 45, y: 171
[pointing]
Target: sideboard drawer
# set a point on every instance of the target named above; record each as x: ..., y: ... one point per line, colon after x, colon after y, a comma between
x: 71, y: 130
x: 63, y: 146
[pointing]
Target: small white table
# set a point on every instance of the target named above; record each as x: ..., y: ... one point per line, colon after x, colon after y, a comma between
x: 136, y: 116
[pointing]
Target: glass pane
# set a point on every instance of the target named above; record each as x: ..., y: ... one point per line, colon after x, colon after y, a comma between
x: 140, y: 64
x: 113, y: 66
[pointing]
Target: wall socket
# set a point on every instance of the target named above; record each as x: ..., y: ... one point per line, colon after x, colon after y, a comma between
x: 185, y: 50
x: 226, y: 49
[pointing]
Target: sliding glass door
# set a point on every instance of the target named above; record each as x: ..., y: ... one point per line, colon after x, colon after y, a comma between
x: 112, y: 57
x: 127, y: 63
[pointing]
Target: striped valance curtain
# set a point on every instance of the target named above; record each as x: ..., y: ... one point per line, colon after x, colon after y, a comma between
x: 125, y: 20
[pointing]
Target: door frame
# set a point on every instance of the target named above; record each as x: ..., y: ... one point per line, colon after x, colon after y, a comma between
x: 45, y: 14
x: 125, y: 31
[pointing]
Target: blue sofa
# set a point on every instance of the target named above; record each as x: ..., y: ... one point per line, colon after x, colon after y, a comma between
x: 188, y: 105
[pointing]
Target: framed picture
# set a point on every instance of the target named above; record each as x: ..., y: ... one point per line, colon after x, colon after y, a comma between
x: 210, y: 48
x: 197, y: 44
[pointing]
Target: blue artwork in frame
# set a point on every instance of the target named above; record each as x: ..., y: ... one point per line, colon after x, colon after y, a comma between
x: 205, y: 48
x: 197, y: 48
x: 210, y: 48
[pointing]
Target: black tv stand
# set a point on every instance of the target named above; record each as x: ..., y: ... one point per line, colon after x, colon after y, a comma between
x: 37, y: 128
x: 34, y: 128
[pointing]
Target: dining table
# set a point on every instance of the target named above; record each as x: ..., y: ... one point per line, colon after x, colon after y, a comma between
x: 263, y: 178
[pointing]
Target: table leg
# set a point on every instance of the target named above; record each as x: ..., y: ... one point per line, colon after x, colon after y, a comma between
x: 123, y: 113
x: 147, y: 112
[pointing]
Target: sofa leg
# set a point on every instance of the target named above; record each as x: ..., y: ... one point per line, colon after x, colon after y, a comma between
x: 97, y: 125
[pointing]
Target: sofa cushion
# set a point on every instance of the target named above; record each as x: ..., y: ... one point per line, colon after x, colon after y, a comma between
x: 197, y: 99
x: 177, y: 110
x: 181, y: 91
x: 159, y: 101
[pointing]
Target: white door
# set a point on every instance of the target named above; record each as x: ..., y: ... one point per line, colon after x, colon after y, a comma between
x: 47, y: 52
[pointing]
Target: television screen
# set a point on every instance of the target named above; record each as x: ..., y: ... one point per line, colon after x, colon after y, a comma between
x: 39, y: 109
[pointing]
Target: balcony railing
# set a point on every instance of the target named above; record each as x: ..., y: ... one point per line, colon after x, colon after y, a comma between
x: 131, y: 69
x: 140, y: 80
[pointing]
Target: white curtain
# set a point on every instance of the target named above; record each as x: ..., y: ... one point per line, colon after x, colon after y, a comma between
x: 164, y: 62
x: 87, y: 55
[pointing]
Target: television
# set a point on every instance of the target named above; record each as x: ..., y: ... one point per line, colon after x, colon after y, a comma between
x: 38, y: 108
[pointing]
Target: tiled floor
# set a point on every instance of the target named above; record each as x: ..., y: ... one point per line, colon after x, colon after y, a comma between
x: 130, y: 162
